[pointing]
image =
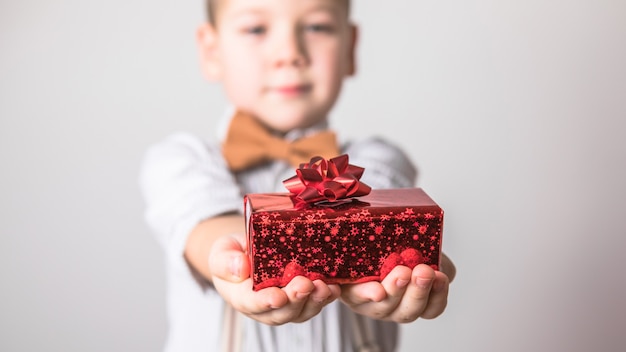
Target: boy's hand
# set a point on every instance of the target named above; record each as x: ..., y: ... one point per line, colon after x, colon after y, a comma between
x: 299, y: 301
x: 404, y: 295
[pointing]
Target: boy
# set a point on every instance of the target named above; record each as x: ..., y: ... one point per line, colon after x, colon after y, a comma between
x: 281, y: 63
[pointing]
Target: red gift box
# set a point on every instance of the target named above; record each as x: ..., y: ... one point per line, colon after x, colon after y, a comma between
x: 345, y: 241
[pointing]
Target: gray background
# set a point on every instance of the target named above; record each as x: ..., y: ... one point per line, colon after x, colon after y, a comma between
x: 513, y: 110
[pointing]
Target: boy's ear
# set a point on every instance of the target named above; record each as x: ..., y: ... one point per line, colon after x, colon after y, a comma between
x: 206, y: 39
x: 354, y: 33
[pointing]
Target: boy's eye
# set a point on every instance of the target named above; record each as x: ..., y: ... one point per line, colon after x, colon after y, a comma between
x: 319, y: 28
x: 255, y: 30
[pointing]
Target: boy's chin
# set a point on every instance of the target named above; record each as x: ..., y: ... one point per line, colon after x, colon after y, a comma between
x: 285, y: 122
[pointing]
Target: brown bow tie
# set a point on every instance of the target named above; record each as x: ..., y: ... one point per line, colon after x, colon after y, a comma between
x: 248, y: 143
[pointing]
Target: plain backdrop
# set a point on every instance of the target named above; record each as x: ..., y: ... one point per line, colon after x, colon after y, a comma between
x: 513, y: 111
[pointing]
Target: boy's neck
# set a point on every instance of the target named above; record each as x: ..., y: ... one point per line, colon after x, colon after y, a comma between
x: 294, y: 133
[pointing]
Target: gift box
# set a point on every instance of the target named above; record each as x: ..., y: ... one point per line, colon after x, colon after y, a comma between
x: 335, y: 238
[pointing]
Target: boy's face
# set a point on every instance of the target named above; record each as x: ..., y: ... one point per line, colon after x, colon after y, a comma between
x: 282, y: 60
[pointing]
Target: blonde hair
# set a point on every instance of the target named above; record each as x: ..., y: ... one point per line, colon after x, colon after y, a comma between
x: 211, y: 9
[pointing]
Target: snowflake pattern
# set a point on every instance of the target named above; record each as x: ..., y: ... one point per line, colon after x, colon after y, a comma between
x: 348, y: 243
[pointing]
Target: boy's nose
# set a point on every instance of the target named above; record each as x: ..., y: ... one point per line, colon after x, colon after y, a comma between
x: 290, y: 51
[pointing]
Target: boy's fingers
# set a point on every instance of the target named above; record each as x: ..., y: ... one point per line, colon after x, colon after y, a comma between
x: 299, y: 289
x: 447, y: 267
x: 438, y: 299
x: 299, y: 301
x: 362, y: 293
x: 417, y: 295
x: 393, y: 288
x: 297, y: 293
x: 396, y: 282
x: 322, y: 295
x: 249, y: 302
x: 395, y: 285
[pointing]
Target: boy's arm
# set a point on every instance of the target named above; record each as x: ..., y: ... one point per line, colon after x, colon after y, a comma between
x: 200, y: 242
x: 405, y: 294
x: 216, y: 249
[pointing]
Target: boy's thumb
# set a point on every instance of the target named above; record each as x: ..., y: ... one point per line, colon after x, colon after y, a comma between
x: 228, y: 260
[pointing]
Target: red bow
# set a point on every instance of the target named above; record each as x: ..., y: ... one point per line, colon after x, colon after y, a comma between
x: 326, y: 180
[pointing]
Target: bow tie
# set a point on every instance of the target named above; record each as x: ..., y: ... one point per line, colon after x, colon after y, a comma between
x: 249, y: 143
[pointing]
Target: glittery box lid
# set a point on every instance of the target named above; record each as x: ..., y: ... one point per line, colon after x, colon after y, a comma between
x: 377, y: 199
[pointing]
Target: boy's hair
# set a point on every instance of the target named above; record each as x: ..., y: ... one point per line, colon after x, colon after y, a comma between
x: 211, y: 6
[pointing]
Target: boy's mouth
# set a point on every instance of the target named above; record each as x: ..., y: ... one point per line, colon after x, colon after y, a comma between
x: 292, y: 90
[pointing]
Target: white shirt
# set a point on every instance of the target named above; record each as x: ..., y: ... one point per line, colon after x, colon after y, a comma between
x: 184, y: 181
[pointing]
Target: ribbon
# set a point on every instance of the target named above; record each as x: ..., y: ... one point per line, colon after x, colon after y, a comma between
x: 322, y: 180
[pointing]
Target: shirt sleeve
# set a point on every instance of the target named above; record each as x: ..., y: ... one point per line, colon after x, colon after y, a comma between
x: 184, y: 181
x: 386, y: 165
